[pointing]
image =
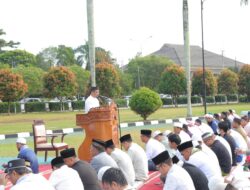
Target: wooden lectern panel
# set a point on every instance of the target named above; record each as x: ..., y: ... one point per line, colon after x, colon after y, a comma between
x: 99, y: 123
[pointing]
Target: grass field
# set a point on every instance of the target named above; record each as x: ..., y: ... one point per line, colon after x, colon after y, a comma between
x: 57, y: 120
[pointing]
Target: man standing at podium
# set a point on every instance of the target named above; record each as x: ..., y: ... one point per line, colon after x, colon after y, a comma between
x: 92, y: 101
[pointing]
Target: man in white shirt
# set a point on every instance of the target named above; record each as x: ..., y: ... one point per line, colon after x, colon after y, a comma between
x: 153, y: 147
x: 63, y: 177
x: 122, y: 160
x: 176, y: 176
x: 21, y: 177
x: 178, y: 130
x: 92, y: 101
x: 138, y: 157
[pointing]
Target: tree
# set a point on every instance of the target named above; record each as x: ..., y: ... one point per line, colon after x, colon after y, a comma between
x: 4, y: 43
x: 18, y: 57
x: 145, y: 102
x: 146, y: 70
x: 228, y: 82
x: 60, y: 82
x: 12, y: 86
x: 173, y: 81
x: 33, y: 77
x: 244, y: 78
x: 82, y: 79
x: 126, y: 83
x: 210, y: 82
x: 65, y: 56
x: 47, y: 58
x: 107, y: 80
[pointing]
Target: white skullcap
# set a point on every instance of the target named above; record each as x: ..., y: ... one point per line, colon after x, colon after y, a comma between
x: 178, y: 124
x: 209, y: 116
x: 156, y: 133
x: 21, y: 140
x: 101, y: 172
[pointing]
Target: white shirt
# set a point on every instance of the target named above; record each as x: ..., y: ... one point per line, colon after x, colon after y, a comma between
x: 178, y: 179
x: 91, y: 102
x: 153, y: 148
x: 201, y: 160
x: 66, y: 178
x: 124, y: 162
x: 139, y: 160
x: 32, y: 181
x: 184, y: 136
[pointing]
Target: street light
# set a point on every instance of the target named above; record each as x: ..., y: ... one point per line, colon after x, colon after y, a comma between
x: 203, y: 61
x: 141, y: 42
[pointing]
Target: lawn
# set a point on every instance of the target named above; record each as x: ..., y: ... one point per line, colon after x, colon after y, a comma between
x: 10, y: 124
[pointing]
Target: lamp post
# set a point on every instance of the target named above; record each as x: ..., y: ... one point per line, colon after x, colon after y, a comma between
x: 203, y: 61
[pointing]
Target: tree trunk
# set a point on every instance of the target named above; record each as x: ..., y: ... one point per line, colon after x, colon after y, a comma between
x: 187, y: 55
x: 91, y: 40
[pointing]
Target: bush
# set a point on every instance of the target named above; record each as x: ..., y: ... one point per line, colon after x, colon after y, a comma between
x: 182, y: 100
x: 243, y: 99
x: 56, y: 106
x: 220, y: 98
x: 210, y: 99
x: 78, y: 105
x: 35, y: 107
x: 167, y: 101
x: 121, y: 102
x: 196, y: 99
x: 4, y: 107
x: 232, y: 98
x: 145, y: 102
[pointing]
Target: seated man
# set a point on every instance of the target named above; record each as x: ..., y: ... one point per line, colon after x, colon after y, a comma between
x: 122, y: 160
x: 153, y: 147
x: 220, y: 151
x: 63, y: 177
x: 21, y: 177
x: 176, y: 176
x: 100, y: 157
x: 114, y: 179
x: 86, y: 172
x: 27, y: 154
x: 138, y: 157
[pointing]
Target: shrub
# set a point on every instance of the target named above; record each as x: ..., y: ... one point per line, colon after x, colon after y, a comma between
x: 145, y: 102
x: 232, y: 98
x: 4, y: 107
x: 182, y: 100
x: 34, y: 107
x: 195, y: 99
x: 56, y: 106
x: 167, y: 101
x: 220, y: 98
x: 121, y: 102
x: 243, y: 99
x: 210, y: 99
x: 78, y: 105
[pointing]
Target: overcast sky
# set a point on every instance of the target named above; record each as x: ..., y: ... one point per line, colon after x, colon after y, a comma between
x: 124, y: 27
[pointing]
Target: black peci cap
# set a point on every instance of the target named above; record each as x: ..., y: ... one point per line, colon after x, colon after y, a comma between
x: 146, y: 132
x: 126, y: 137
x: 162, y: 157
x: 109, y: 143
x: 57, y: 161
x: 67, y: 153
x: 185, y: 145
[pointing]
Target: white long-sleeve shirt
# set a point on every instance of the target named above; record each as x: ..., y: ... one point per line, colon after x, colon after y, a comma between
x: 153, y: 148
x: 91, y: 102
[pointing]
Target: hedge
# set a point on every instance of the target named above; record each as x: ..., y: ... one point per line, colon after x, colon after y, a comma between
x: 78, y: 105
x: 167, y: 101
x: 243, y: 99
x: 56, y: 106
x: 35, y: 107
x: 4, y: 107
x: 196, y: 99
x: 209, y: 99
x: 220, y: 98
x: 121, y: 102
x: 232, y: 98
x: 182, y: 100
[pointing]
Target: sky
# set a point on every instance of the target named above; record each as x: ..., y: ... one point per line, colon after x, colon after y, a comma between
x: 125, y: 27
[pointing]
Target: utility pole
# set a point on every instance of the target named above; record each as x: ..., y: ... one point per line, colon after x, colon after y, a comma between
x: 138, y: 75
x: 203, y: 63
x: 91, y: 40
x: 187, y: 55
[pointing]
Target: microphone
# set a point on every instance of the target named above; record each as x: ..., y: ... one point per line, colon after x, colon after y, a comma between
x: 106, y: 99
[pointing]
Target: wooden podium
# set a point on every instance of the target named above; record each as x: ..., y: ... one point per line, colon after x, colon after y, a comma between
x: 99, y: 123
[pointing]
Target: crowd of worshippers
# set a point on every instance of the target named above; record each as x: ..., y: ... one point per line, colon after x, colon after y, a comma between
x: 210, y: 155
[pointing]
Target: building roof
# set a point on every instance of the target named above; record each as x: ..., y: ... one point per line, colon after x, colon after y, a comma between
x: 213, y: 61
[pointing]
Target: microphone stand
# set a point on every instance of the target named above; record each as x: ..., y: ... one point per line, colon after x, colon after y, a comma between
x: 119, y: 124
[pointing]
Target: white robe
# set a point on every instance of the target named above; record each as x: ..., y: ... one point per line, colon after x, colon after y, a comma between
x: 65, y: 178
x: 153, y: 148
x: 125, y: 164
x: 178, y: 179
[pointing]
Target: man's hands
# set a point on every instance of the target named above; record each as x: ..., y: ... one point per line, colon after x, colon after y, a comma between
x: 3, y: 179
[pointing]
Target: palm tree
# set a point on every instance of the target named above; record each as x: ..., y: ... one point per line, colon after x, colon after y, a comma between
x: 187, y: 55
x: 91, y: 40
